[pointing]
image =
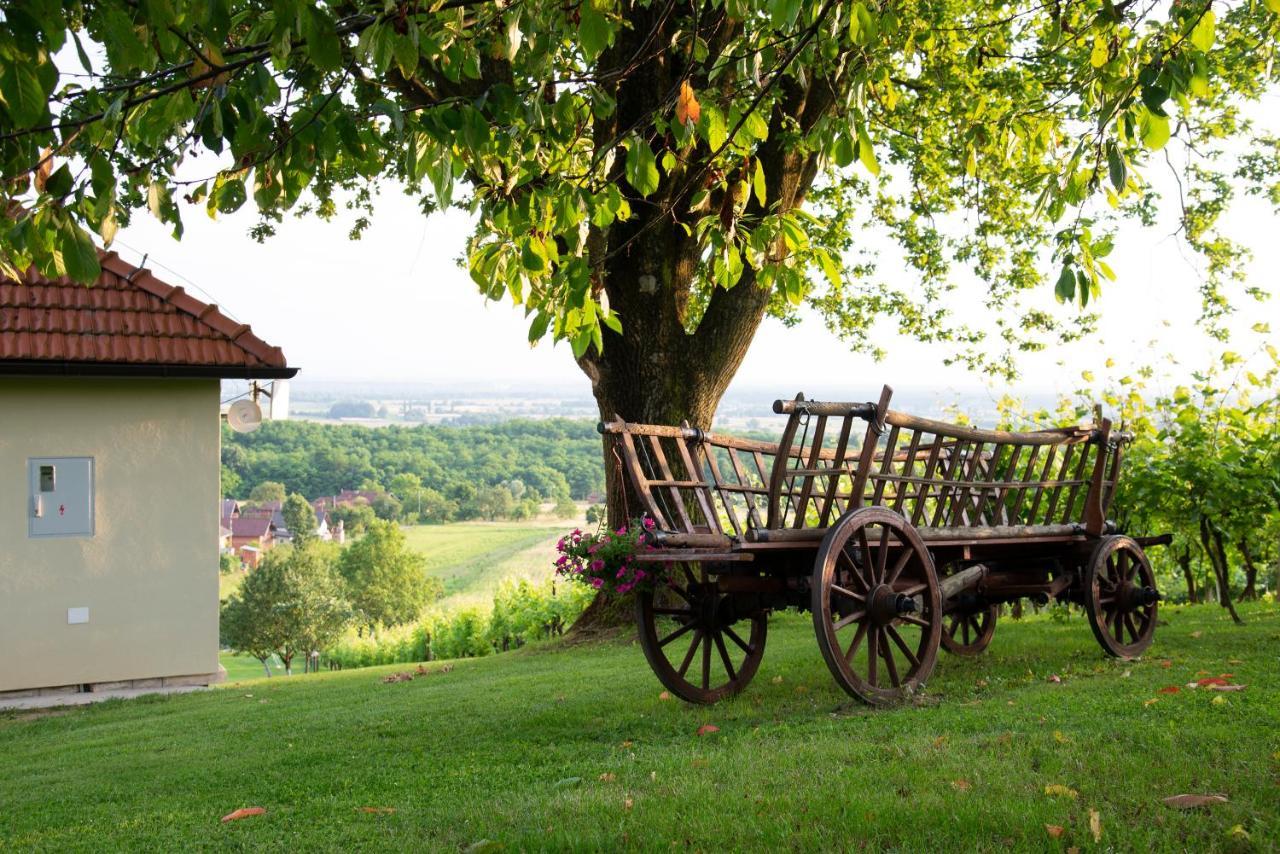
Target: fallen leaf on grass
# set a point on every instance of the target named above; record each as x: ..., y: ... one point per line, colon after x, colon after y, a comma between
x: 1218, y: 701
x: 1095, y: 825
x: 939, y: 742
x: 1059, y: 790
x: 699, y: 763
x: 1190, y: 802
x: 1151, y: 702
x: 777, y: 680
x: 1054, y: 830
x: 567, y: 783
x: 802, y: 689
x: 1227, y: 687
x: 665, y: 695
x: 1166, y: 663
x: 1169, y: 689
x: 378, y: 810
x: 1208, y: 681
x: 1238, y: 832
x: 608, y: 777
x: 626, y: 744
x: 1235, y: 661
x: 1196, y: 634
x: 961, y: 785
x: 707, y: 729
x: 1055, y: 678
x: 243, y: 812
x: 1060, y: 738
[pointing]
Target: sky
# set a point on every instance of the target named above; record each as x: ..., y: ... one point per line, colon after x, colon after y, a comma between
x: 395, y: 305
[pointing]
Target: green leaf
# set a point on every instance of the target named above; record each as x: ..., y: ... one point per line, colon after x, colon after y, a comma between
x: 866, y: 152
x: 1154, y: 130
x: 21, y: 93
x: 758, y: 183
x: 1116, y: 168
x: 533, y: 256
x: 1202, y: 34
x: 595, y: 33
x: 642, y: 168
x: 405, y: 53
x: 712, y: 126
x: 1274, y: 6
x: 539, y: 327
x: 782, y: 13
x: 843, y: 152
x: 59, y: 183
x: 1099, y: 55
x: 1066, y: 287
x: 322, y: 39
x: 79, y: 255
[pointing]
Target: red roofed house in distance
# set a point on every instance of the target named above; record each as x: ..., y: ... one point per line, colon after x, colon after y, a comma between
x: 109, y: 452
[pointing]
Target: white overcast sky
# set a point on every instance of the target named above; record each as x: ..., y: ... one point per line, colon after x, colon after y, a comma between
x: 395, y: 306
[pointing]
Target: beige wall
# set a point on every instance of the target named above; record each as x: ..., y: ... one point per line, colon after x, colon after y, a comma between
x: 149, y: 574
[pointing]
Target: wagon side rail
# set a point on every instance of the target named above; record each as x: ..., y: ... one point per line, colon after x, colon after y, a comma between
x: 702, y: 489
x: 938, y: 475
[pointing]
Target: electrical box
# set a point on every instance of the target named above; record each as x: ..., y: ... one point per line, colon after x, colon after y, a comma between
x: 60, y: 500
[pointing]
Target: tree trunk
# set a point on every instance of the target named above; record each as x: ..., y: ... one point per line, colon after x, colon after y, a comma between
x: 1211, y: 539
x: 1184, y: 561
x: 265, y: 666
x: 1250, y: 571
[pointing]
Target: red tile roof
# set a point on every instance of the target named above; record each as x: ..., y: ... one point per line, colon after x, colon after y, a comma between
x: 242, y: 526
x: 128, y: 322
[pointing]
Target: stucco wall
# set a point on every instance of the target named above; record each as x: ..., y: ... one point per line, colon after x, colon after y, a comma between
x: 149, y: 573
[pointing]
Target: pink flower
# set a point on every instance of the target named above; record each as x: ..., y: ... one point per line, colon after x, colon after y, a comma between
x: 562, y: 560
x: 621, y: 532
x: 640, y: 573
x: 597, y: 583
x: 621, y: 572
x: 597, y: 565
x: 648, y: 523
x: 560, y: 545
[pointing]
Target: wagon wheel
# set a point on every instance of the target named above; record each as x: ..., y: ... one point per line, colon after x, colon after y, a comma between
x: 877, y: 606
x: 688, y: 634
x: 968, y: 631
x: 1120, y: 597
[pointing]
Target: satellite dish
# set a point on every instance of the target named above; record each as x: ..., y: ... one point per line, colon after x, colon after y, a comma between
x: 244, y: 416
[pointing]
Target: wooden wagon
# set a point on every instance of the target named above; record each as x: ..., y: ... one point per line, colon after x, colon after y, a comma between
x: 900, y: 534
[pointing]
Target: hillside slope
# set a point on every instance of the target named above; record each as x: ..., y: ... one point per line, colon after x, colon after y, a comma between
x: 573, y: 747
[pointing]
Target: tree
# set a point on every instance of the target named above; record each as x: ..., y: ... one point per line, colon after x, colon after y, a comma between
x: 300, y: 518
x: 355, y: 518
x: 291, y: 603
x: 386, y: 580
x: 651, y: 179
x: 387, y: 508
x: 267, y: 491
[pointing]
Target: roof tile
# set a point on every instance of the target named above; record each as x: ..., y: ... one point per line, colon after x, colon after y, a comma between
x: 127, y: 316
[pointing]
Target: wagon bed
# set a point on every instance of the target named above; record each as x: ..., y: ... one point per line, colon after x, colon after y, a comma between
x: 900, y: 534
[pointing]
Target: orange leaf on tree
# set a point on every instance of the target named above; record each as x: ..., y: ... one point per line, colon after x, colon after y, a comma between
x: 687, y: 107
x: 243, y: 812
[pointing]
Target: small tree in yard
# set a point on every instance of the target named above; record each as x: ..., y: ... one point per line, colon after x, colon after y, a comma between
x: 386, y: 580
x: 268, y: 490
x: 299, y: 518
x: 292, y: 603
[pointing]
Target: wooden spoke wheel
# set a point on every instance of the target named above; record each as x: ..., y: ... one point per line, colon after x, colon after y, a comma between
x: 877, y: 606
x: 968, y: 632
x: 1120, y: 597
x: 699, y: 640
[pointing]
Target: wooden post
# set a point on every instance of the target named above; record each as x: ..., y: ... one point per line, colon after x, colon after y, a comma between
x: 1095, y: 520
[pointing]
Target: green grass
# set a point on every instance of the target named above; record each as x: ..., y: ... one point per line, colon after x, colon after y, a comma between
x: 511, y: 749
x: 471, y: 558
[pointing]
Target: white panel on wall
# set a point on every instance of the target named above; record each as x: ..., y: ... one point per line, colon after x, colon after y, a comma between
x: 60, y: 497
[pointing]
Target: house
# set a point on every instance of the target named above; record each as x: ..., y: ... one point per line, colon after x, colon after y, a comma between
x: 257, y: 531
x: 109, y: 441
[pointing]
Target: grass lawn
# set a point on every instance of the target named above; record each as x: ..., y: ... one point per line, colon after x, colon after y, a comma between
x: 572, y: 747
x: 470, y: 558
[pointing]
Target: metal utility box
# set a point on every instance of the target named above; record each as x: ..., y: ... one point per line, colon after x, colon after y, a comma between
x: 60, y: 497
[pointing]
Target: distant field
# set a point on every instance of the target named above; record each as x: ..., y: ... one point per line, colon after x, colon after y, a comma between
x: 470, y: 558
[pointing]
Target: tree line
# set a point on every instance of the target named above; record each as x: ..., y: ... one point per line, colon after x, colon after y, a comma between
x: 434, y: 474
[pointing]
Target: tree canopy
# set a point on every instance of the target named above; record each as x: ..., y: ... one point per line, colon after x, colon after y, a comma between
x: 634, y: 164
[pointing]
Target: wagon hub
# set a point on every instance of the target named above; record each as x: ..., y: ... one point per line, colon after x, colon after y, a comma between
x: 1141, y: 597
x: 886, y: 604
